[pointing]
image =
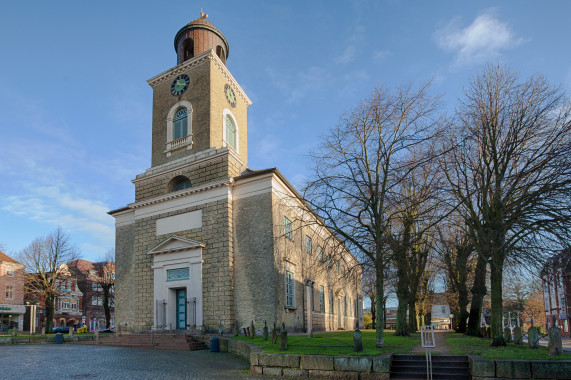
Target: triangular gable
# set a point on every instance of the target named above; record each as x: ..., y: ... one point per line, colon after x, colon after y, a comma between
x: 175, y: 244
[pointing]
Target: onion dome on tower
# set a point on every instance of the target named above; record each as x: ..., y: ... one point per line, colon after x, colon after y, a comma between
x: 197, y: 37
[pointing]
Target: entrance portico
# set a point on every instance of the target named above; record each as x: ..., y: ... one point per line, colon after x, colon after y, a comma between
x: 177, y: 267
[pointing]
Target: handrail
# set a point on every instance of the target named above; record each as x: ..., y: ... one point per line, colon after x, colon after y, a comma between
x: 428, y: 342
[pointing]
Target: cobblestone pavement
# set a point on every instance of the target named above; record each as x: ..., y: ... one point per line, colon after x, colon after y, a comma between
x: 68, y: 361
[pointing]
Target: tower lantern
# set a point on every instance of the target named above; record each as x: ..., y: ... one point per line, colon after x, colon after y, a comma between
x: 197, y: 37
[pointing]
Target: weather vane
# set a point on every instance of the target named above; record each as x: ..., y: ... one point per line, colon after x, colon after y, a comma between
x: 202, y: 14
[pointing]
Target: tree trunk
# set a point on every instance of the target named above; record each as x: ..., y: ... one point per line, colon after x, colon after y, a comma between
x: 402, y: 325
x: 380, y: 338
x: 106, y: 308
x: 373, y: 313
x: 497, y: 302
x: 462, y: 308
x: 478, y: 292
x: 49, y: 307
x: 412, y: 321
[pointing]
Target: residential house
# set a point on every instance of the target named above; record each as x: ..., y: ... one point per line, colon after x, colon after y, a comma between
x: 12, y: 308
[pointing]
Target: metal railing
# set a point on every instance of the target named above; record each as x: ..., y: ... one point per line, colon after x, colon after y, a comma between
x: 428, y: 342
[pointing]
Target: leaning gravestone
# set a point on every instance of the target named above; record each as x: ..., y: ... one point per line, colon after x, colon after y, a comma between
x: 283, y: 338
x: 554, y: 344
x: 533, y: 337
x: 252, y: 330
x: 275, y: 334
x: 517, y: 335
x: 508, y: 334
x: 357, y: 339
x: 265, y: 331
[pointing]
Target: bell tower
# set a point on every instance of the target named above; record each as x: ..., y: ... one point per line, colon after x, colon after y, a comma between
x: 198, y: 106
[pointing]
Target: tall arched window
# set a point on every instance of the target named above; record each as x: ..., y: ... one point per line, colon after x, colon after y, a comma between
x: 230, y: 131
x: 180, y: 124
x: 179, y: 127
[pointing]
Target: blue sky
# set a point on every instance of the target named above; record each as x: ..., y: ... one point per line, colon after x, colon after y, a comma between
x: 75, y: 108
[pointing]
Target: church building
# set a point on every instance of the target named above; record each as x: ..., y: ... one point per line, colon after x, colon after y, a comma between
x: 210, y: 242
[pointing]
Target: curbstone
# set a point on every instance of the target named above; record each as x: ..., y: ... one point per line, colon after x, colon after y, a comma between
x: 551, y: 369
x: 334, y: 374
x: 318, y: 362
x: 480, y: 367
x: 256, y: 370
x: 353, y: 363
x: 272, y: 371
x: 513, y: 369
x: 279, y: 360
x: 293, y: 372
x: 374, y: 376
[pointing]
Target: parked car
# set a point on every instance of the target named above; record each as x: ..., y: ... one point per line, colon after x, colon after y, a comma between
x: 60, y: 329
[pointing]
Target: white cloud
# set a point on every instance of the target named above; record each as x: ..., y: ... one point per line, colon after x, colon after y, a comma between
x: 298, y: 85
x: 351, y: 43
x: 481, y: 41
x: 51, y: 205
x: 382, y: 55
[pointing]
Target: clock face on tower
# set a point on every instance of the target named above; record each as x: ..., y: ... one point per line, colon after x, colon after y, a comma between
x: 230, y: 96
x: 180, y: 84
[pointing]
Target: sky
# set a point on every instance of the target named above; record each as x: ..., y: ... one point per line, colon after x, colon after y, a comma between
x: 75, y: 106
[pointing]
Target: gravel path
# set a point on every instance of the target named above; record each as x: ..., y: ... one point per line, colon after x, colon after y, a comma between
x: 441, y: 347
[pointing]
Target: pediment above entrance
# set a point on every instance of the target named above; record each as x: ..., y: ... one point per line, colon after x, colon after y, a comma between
x: 175, y: 244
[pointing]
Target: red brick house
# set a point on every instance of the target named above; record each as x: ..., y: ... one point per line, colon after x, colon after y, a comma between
x: 91, y: 278
x: 12, y: 308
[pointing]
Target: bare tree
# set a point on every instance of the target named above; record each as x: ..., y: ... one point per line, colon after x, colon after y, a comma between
x: 510, y: 170
x: 360, y: 163
x: 43, y: 260
x: 104, y: 276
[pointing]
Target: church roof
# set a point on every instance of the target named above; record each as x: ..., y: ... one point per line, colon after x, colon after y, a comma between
x: 4, y: 257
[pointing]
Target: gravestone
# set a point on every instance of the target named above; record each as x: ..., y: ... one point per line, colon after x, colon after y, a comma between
x: 252, y: 330
x: 220, y: 328
x: 236, y: 329
x: 517, y: 335
x: 554, y: 344
x: 275, y: 334
x: 507, y: 334
x: 533, y: 337
x: 70, y: 331
x: 283, y: 338
x: 357, y: 339
x: 265, y: 331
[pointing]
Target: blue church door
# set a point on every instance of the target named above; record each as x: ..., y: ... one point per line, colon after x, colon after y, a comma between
x: 181, y: 309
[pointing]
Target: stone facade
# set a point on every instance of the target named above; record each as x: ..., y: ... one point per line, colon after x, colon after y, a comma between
x: 227, y: 221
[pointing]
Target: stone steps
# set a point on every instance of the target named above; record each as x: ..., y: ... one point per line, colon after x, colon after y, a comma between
x: 146, y: 340
x: 444, y: 367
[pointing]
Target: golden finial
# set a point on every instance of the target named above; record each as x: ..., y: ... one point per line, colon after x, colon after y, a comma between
x: 202, y: 14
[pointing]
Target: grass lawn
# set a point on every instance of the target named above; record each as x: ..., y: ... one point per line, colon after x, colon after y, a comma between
x: 338, y: 343
x: 460, y: 344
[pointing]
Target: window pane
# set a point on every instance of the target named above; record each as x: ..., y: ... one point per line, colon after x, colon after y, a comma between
x: 288, y: 228
x: 180, y: 124
x: 230, y: 132
x: 289, y: 289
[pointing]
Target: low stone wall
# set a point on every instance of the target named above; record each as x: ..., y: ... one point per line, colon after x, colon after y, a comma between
x: 40, y: 339
x: 484, y: 369
x: 312, y: 366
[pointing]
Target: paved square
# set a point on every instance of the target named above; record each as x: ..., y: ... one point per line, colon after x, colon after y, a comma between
x: 69, y: 361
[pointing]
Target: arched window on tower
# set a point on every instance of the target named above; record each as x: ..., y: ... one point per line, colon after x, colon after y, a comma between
x: 220, y: 53
x: 180, y: 124
x: 178, y: 183
x: 230, y: 127
x: 188, y: 49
